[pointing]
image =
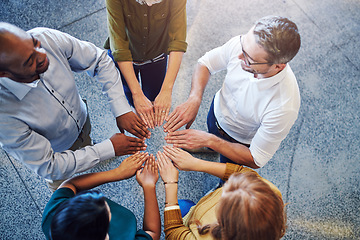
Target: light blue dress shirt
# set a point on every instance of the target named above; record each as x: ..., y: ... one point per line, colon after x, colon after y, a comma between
x: 41, y: 120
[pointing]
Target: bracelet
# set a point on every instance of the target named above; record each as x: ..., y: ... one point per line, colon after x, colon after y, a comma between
x: 171, y: 182
x: 166, y: 203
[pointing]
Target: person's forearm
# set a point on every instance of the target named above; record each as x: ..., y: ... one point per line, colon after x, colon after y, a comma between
x: 234, y: 151
x: 199, y: 81
x: 127, y: 71
x: 175, y: 59
x: 216, y: 169
x: 152, y: 222
x: 171, y: 194
x: 91, y: 180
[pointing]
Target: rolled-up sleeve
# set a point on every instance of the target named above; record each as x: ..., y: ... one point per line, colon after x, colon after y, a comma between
x: 177, y: 26
x: 273, y: 130
x: 119, y: 42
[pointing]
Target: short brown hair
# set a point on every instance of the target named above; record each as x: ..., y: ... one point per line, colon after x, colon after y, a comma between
x: 279, y: 37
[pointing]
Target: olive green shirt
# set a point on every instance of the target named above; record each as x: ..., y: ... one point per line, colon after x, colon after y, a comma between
x: 139, y: 32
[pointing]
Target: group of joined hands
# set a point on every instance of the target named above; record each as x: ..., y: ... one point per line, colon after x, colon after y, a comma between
x: 143, y: 164
x: 147, y: 167
x: 138, y: 124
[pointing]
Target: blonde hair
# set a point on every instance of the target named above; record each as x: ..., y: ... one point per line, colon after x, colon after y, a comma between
x: 248, y: 209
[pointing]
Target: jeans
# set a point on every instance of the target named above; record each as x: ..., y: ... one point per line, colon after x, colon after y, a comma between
x: 151, y: 76
x: 212, y: 128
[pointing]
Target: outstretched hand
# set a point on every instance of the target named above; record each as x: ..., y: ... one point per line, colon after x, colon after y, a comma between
x: 183, y: 114
x: 133, y: 124
x: 189, y: 138
x: 181, y: 159
x: 162, y: 106
x: 144, y: 109
x: 168, y: 172
x: 130, y: 165
x: 148, y: 175
x: 124, y: 145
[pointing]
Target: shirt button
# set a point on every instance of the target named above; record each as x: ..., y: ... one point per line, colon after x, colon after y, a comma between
x: 145, y: 15
x: 145, y: 28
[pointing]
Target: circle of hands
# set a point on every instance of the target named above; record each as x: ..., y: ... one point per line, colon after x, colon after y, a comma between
x: 147, y: 168
x: 173, y: 158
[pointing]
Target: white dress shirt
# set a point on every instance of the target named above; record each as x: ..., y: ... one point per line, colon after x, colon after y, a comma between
x: 259, y: 112
x: 41, y: 120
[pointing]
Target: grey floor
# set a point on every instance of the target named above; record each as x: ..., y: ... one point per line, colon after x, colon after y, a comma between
x: 317, y: 165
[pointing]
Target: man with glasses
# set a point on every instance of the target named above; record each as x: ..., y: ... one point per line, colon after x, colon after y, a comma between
x: 258, y: 102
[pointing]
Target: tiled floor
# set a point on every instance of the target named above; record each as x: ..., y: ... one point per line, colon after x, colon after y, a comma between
x: 317, y: 165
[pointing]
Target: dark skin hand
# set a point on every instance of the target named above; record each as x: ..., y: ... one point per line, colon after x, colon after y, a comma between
x: 124, y: 145
x: 133, y: 124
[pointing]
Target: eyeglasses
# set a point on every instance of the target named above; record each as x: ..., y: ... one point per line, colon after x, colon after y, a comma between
x: 246, y: 57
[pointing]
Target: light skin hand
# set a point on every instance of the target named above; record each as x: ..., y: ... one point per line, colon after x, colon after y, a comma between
x: 181, y: 159
x: 143, y: 106
x: 168, y: 171
x: 144, y: 109
x: 162, y: 106
x: 162, y: 102
x: 133, y: 124
x: 124, y: 145
x: 189, y: 138
x: 148, y: 175
x: 183, y: 114
x: 129, y: 166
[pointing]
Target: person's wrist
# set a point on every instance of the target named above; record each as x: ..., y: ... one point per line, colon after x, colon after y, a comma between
x: 148, y: 186
x: 194, y: 99
x: 211, y: 141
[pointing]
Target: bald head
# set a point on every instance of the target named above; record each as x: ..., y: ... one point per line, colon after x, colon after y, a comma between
x: 8, y: 33
x: 22, y: 58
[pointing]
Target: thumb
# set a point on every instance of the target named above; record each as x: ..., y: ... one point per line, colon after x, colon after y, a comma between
x: 138, y: 172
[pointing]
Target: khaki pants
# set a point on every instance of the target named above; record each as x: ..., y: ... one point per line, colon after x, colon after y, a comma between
x: 83, y: 140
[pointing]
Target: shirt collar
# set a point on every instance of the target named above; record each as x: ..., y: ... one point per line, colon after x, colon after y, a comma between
x: 18, y: 89
x: 266, y: 83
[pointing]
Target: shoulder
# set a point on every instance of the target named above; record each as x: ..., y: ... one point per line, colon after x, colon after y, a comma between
x: 59, y: 196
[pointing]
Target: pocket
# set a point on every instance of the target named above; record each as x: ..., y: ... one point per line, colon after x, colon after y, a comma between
x: 160, y: 16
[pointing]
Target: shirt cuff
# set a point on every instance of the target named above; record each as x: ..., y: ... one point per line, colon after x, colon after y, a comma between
x: 172, y: 208
x: 177, y: 46
x: 172, y: 217
x: 122, y: 55
x: 230, y: 169
x: 120, y: 106
x: 105, y: 149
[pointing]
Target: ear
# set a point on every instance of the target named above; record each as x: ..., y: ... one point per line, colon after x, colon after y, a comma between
x: 280, y: 66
